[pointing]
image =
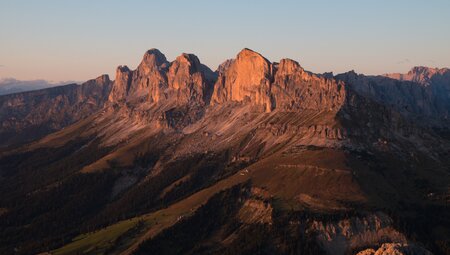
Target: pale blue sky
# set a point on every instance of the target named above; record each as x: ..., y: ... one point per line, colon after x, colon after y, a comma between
x: 81, y: 39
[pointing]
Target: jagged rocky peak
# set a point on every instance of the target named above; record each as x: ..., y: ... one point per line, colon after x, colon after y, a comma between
x: 416, y: 94
x: 251, y: 69
x: 123, y: 73
x: 98, y: 88
x: 181, y: 69
x: 285, y: 85
x: 294, y: 89
x: 122, y: 69
x: 156, y: 79
x: 101, y: 85
x: 103, y: 79
x: 121, y: 84
x: 248, y: 77
x: 189, y: 61
x: 328, y: 75
x: 222, y: 68
x: 420, y: 74
x: 149, y: 79
x: 428, y: 72
x: 350, y: 75
x: 247, y: 73
x: 146, y: 82
x: 288, y: 66
x: 423, y: 70
x: 189, y: 80
x: 153, y: 58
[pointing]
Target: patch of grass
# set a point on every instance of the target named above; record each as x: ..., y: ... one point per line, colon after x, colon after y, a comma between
x: 103, y: 240
x: 293, y: 172
x: 99, y: 241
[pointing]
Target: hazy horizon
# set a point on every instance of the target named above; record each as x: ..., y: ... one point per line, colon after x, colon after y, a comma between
x: 59, y: 41
x: 261, y: 157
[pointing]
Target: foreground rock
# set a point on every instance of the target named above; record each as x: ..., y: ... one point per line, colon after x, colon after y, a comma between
x: 396, y: 249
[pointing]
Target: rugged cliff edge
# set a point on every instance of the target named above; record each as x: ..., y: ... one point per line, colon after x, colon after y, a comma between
x: 30, y: 115
x: 256, y: 157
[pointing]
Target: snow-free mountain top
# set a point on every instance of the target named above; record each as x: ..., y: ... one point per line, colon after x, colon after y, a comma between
x: 422, y: 74
x: 173, y: 158
x: 11, y: 85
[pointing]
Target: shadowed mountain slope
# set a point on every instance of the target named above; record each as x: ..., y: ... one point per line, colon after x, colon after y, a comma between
x: 257, y: 157
x: 30, y: 115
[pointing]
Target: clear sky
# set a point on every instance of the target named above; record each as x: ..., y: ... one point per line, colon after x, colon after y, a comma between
x: 81, y: 39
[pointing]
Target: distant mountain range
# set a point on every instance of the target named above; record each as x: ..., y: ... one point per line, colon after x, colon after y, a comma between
x: 257, y: 157
x: 11, y: 85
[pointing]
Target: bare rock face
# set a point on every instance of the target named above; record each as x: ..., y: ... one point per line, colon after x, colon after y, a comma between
x: 285, y: 86
x: 396, y: 249
x: 187, y: 79
x: 148, y: 81
x: 167, y: 94
x: 156, y: 80
x: 318, y: 144
x: 180, y: 70
x: 247, y: 78
x: 222, y: 68
x: 121, y: 84
x: 30, y: 115
x: 294, y: 89
x: 422, y: 93
x: 434, y: 86
x: 351, y: 234
x: 421, y: 74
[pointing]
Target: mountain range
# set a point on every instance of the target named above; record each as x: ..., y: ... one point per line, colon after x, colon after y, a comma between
x: 11, y: 85
x: 257, y: 157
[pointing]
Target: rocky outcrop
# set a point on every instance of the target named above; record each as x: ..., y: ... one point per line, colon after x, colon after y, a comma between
x: 248, y: 78
x: 147, y: 82
x: 222, y: 68
x: 189, y: 80
x: 121, y: 84
x: 421, y: 94
x: 30, y: 115
x: 155, y: 79
x: 396, y: 249
x: 283, y: 86
x: 178, y: 93
x: 294, y: 89
x: 423, y: 75
x: 435, y: 83
x: 348, y: 235
x: 256, y: 211
x: 166, y: 94
x: 319, y: 150
x: 363, y: 108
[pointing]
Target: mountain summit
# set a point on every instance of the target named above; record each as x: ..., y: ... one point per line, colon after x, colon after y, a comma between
x: 258, y: 157
x: 421, y: 74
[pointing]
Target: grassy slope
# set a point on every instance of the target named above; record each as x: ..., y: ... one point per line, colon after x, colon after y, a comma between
x: 294, y: 171
x: 155, y: 222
